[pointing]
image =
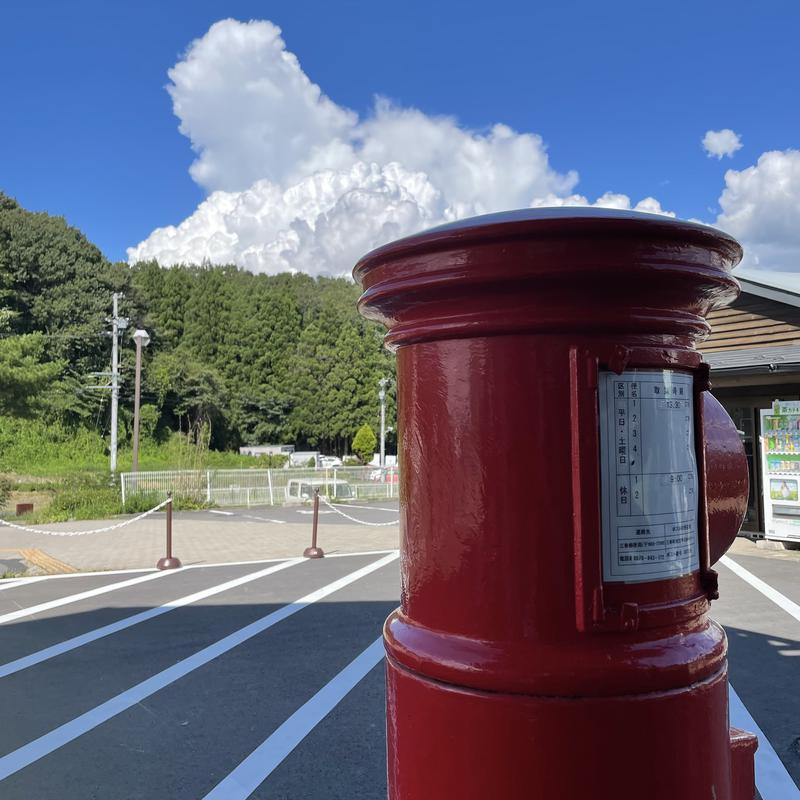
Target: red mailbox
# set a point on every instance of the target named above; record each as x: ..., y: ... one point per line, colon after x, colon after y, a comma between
x: 567, y: 483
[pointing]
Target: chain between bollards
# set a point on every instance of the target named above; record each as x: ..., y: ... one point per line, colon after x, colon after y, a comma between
x: 314, y: 551
x: 169, y: 562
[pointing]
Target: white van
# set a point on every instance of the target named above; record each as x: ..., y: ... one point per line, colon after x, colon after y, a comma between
x: 301, y: 490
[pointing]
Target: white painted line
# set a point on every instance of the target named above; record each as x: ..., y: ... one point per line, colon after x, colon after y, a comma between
x: 772, y: 779
x: 235, y: 563
x: 128, y: 622
x: 373, y: 508
x: 263, y: 519
x: 223, y: 513
x: 93, y: 573
x: 275, y: 560
x: 142, y: 570
x: 74, y: 598
x: 29, y: 753
x: 789, y: 606
x: 11, y: 583
x: 257, y: 767
x: 360, y: 553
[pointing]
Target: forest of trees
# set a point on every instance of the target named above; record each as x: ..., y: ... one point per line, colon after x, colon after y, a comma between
x: 234, y: 357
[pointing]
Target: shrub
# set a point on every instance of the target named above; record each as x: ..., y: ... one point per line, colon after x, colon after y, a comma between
x: 85, y: 497
x: 5, y: 491
x: 364, y: 443
x: 139, y: 503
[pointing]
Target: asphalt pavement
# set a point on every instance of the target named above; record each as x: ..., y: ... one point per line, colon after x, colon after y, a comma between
x: 265, y: 680
x: 764, y: 649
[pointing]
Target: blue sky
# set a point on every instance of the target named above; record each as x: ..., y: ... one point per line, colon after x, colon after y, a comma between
x: 622, y: 93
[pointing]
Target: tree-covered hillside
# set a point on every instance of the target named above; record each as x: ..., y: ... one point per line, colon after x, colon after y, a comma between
x: 234, y: 357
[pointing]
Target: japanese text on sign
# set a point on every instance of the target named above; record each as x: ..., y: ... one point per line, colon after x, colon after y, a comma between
x: 648, y: 474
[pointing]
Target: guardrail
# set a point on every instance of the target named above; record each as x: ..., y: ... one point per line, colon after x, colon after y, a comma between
x: 262, y: 487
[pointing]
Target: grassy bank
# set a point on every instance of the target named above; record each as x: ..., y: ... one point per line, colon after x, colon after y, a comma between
x: 64, y: 471
x: 37, y: 449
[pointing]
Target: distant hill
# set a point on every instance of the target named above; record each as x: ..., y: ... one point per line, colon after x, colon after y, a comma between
x: 235, y: 358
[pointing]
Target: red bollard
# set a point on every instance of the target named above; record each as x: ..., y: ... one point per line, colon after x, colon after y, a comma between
x: 169, y: 562
x: 568, y: 483
x: 314, y: 551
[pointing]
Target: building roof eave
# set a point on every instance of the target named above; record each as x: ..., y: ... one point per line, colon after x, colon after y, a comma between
x: 784, y: 358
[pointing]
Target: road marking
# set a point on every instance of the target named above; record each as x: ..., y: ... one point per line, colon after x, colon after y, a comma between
x: 772, y: 779
x: 235, y: 563
x: 257, y: 767
x: 10, y: 584
x: 360, y: 553
x: 248, y: 516
x: 29, y: 753
x: 26, y: 579
x: 310, y: 511
x: 375, y: 508
x: 780, y: 600
x: 74, y: 598
x: 128, y: 622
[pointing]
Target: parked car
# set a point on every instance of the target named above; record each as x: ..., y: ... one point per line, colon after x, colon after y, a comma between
x: 385, y: 475
x: 326, y: 462
x: 301, y: 490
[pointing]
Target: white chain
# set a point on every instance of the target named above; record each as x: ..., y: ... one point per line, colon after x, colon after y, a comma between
x: 84, y: 533
x: 359, y: 521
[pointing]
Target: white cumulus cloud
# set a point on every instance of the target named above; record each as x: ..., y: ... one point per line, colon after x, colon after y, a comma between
x: 320, y: 224
x: 622, y: 202
x: 721, y: 143
x: 761, y: 208
x: 297, y: 182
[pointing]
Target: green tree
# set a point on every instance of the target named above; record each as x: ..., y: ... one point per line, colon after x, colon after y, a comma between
x: 234, y: 357
x: 364, y: 443
x: 56, y: 282
x: 24, y: 375
x: 263, y: 379
x: 192, y: 396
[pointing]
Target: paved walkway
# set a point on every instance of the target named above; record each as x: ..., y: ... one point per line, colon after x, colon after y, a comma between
x: 197, y: 539
x: 201, y: 538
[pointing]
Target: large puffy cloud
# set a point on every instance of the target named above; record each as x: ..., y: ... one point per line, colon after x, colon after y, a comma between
x: 761, y: 207
x: 249, y: 109
x: 300, y: 183
x: 321, y: 224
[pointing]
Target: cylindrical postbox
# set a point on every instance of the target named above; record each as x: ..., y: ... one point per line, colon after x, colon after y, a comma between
x: 567, y: 483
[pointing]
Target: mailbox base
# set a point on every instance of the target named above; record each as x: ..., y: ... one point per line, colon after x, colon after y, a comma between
x: 447, y: 741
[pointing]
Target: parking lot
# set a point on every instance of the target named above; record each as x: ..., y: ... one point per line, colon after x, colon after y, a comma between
x: 265, y: 679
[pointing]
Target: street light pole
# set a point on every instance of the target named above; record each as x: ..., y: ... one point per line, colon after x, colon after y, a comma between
x: 382, y: 395
x: 142, y: 339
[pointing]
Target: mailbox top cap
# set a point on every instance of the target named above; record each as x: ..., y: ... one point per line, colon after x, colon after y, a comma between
x: 542, y: 269
x: 549, y: 222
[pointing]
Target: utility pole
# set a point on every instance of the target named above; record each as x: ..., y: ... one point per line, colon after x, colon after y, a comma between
x: 383, y: 382
x: 117, y: 324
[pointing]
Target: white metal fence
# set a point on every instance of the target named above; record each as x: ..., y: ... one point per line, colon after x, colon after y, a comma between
x: 261, y: 487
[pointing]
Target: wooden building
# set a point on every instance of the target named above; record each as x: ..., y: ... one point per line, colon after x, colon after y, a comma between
x: 754, y: 354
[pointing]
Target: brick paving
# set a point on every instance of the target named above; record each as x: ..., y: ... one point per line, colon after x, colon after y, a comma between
x: 197, y: 539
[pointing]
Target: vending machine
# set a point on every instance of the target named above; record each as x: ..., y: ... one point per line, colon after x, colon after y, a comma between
x: 780, y: 466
